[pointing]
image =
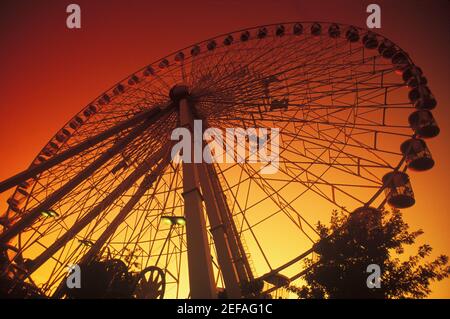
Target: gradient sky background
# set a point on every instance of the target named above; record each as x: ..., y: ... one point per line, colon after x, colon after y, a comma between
x: 50, y: 72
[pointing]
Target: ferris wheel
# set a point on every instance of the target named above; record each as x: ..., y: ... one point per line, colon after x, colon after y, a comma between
x: 353, y: 112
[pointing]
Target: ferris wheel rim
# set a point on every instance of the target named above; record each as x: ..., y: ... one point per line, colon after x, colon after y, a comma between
x: 217, y: 37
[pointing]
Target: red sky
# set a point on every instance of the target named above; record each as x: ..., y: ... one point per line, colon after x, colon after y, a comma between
x: 50, y: 72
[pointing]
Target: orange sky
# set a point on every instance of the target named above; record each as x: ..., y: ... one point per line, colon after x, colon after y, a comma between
x: 50, y: 72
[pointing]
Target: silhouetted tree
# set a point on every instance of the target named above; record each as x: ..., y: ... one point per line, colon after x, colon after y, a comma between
x: 353, y: 242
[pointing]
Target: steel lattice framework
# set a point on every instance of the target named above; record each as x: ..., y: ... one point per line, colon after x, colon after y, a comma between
x: 100, y: 186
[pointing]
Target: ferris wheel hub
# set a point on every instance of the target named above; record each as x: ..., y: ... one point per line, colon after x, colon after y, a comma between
x: 178, y: 92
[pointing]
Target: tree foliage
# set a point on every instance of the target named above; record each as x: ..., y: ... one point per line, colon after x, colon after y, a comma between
x: 354, y: 241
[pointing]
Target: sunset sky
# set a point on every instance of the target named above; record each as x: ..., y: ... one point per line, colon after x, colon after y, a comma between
x: 50, y: 72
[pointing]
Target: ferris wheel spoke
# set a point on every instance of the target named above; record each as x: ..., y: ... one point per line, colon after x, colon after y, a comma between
x: 278, y: 199
x: 83, y: 222
x: 256, y: 63
x: 126, y: 209
x: 145, y: 184
x: 240, y: 67
x: 333, y: 187
x: 143, y: 231
x: 54, y: 175
x: 354, y: 157
x: 314, y: 140
x: 99, y: 179
x: 323, y: 120
x: 245, y: 220
x: 310, y: 101
x: 291, y: 68
x: 327, y: 83
x: 138, y: 232
x: 36, y: 170
x: 373, y: 150
x: 320, y: 180
x: 365, y: 127
x: 29, y: 218
x: 348, y: 168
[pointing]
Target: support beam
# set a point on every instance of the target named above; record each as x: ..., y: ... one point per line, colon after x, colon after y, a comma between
x: 238, y: 253
x: 59, y: 158
x: 286, y: 265
x: 218, y: 231
x: 146, y: 183
x: 89, y: 217
x: 201, y: 278
x: 29, y: 218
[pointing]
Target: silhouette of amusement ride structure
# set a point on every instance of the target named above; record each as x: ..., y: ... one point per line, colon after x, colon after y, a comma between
x: 353, y: 110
